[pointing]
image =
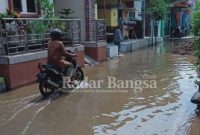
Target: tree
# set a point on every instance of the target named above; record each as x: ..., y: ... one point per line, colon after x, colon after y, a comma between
x: 196, y: 30
x: 157, y: 10
x: 66, y: 12
x: 47, y: 8
x: 169, y: 1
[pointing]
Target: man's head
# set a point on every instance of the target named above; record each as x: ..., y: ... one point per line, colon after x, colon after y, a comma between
x: 56, y: 34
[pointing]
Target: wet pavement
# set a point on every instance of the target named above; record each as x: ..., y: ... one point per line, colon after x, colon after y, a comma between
x: 161, y: 107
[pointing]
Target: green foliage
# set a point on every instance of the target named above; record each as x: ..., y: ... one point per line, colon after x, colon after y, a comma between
x: 157, y: 9
x: 196, y: 19
x: 66, y: 12
x: 48, y: 11
x: 169, y: 1
x: 196, y: 30
x: 47, y: 8
x: 36, y: 27
x: 8, y: 14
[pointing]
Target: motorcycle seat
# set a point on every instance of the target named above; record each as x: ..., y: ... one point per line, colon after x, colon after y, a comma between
x: 47, y: 65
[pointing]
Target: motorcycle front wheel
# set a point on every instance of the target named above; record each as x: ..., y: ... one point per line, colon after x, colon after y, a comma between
x: 45, y: 89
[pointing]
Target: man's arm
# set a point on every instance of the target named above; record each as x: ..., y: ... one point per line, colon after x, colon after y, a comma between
x: 66, y: 53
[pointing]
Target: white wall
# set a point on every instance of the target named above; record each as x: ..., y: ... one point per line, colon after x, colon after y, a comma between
x: 138, y: 9
x: 3, y: 5
x: 159, y: 29
x: 79, y: 11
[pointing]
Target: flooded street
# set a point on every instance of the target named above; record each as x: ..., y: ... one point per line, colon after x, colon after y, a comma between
x: 162, y: 110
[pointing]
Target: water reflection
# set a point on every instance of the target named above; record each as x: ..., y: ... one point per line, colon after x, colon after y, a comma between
x: 165, y: 107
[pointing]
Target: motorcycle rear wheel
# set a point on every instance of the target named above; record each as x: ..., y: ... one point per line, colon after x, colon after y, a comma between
x: 45, y: 90
x: 78, y: 76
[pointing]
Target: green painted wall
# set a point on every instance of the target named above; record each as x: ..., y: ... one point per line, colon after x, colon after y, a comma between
x: 162, y: 31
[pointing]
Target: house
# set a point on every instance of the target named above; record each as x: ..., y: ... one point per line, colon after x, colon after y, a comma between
x: 122, y: 12
x: 181, y: 16
x: 23, y: 41
x: 26, y: 8
x: 93, y: 30
x: 115, y: 12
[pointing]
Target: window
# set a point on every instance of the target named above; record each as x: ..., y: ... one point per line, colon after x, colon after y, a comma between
x: 30, y: 5
x: 17, y: 5
x: 25, y: 6
x: 131, y: 14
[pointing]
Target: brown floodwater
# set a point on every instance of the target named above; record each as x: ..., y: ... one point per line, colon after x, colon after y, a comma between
x: 155, y: 101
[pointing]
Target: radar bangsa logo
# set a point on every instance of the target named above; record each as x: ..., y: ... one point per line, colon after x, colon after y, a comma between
x: 112, y: 82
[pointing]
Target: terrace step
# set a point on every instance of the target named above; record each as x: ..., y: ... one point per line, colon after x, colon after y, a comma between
x: 112, y: 50
x: 89, y: 60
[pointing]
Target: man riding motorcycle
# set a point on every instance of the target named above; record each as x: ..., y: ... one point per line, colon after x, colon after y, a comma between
x: 57, y: 54
x: 61, y: 71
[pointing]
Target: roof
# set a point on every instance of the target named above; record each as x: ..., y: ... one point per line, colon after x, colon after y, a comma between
x: 181, y: 4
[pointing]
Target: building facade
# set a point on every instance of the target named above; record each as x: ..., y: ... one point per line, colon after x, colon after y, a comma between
x: 93, y: 31
x: 23, y: 41
x: 26, y: 8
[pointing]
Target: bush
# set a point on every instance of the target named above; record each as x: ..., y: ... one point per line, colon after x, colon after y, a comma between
x: 196, y: 30
x: 9, y: 14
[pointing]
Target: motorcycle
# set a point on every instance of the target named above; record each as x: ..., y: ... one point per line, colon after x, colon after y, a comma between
x: 51, y: 79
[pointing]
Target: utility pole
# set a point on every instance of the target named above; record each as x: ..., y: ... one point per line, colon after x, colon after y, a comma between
x: 144, y: 10
x: 104, y: 6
